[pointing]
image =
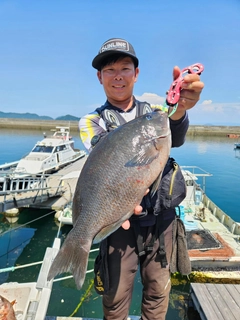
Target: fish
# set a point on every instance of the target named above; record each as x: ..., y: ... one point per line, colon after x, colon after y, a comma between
x: 6, y: 309
x: 112, y: 182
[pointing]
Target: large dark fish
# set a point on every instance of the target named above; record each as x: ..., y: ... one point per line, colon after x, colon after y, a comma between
x: 111, y: 184
x: 6, y: 309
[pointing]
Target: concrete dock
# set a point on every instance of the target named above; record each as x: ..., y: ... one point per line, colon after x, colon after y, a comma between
x: 32, y: 124
x: 54, y: 192
x: 216, y: 301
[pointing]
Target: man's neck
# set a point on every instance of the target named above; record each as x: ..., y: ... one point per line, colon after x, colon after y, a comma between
x: 123, y: 105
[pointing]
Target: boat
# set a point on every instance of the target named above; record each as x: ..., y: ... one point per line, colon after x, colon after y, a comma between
x: 237, y: 145
x: 65, y: 216
x: 50, y: 154
x: 47, y: 156
x: 32, y: 298
x: 213, y: 237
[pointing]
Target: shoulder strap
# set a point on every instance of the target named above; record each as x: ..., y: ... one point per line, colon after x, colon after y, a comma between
x: 159, y: 233
x: 142, y: 108
x: 113, y: 118
x: 110, y: 116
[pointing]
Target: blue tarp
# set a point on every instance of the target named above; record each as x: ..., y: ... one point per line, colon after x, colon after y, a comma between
x: 12, y: 244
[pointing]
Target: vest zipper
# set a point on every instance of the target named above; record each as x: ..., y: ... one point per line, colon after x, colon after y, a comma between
x: 175, y: 167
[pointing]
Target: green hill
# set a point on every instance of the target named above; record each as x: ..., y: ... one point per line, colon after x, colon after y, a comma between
x: 68, y: 117
x: 27, y: 115
x: 23, y: 116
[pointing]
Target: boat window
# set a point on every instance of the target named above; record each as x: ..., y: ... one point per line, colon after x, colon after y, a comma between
x: 60, y: 148
x: 47, y: 149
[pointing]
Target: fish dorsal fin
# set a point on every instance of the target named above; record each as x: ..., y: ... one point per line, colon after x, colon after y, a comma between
x: 145, y: 156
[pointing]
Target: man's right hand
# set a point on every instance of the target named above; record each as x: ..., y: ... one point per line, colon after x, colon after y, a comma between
x: 137, y: 210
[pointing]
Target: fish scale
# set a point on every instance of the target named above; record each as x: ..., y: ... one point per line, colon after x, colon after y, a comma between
x: 113, y: 181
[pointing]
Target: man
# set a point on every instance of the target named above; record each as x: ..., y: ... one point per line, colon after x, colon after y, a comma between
x: 138, y: 241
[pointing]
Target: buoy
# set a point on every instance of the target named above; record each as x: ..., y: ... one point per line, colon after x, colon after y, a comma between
x: 57, y: 214
x: 12, y: 215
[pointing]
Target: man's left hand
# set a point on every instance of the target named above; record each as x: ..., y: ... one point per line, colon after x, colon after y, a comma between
x: 190, y: 93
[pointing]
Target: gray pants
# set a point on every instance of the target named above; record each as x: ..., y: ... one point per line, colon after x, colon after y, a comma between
x: 123, y: 263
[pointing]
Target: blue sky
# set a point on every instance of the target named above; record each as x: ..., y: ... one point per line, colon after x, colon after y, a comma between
x: 46, y: 50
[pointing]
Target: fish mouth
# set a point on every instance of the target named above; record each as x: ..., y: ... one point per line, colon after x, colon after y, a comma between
x: 162, y: 136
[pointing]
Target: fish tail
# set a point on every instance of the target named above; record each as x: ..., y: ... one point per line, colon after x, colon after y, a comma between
x: 72, y: 257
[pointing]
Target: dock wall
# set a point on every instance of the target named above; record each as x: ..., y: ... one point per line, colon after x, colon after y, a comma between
x: 33, y: 124
x: 194, y: 130
x: 220, y: 131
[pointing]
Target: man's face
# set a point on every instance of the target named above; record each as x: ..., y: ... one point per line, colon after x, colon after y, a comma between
x: 118, y: 79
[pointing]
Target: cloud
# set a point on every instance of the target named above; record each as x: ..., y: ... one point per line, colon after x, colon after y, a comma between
x: 152, y: 98
x: 215, y: 113
x: 207, y: 102
x: 219, y: 108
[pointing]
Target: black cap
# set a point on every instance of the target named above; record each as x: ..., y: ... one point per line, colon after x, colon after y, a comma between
x: 111, y: 46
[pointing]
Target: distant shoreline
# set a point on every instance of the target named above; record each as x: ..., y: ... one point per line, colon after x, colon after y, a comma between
x: 36, y: 124
x: 33, y: 124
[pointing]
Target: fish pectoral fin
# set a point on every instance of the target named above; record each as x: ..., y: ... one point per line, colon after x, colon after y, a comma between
x: 106, y: 231
x: 156, y: 184
x: 145, y: 156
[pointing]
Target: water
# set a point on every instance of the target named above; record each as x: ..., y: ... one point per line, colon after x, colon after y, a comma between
x: 217, y: 156
x: 213, y: 154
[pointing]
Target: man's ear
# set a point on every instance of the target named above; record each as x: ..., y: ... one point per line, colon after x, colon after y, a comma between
x: 99, y: 76
x: 136, y: 74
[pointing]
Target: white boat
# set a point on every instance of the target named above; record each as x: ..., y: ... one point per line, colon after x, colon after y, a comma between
x: 32, y: 298
x: 47, y: 156
x: 65, y: 216
x: 50, y: 154
x: 212, y: 236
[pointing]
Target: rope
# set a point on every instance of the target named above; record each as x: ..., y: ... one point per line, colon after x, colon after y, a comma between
x: 40, y: 262
x: 70, y: 277
x: 83, y: 298
x: 20, y: 267
x: 25, y: 224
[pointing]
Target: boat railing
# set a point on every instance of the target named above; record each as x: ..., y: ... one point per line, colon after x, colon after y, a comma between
x: 27, y: 183
x: 227, y: 221
x: 26, y: 191
x: 8, y: 166
x: 195, y: 172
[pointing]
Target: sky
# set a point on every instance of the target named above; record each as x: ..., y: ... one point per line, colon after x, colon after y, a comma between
x: 47, y: 47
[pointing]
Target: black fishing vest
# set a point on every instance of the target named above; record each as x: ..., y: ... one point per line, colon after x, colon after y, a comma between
x: 113, y: 118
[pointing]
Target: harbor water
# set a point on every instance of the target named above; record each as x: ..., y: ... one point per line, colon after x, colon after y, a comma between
x: 25, y: 241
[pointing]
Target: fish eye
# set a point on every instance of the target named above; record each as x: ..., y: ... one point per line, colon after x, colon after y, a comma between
x: 149, y: 116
